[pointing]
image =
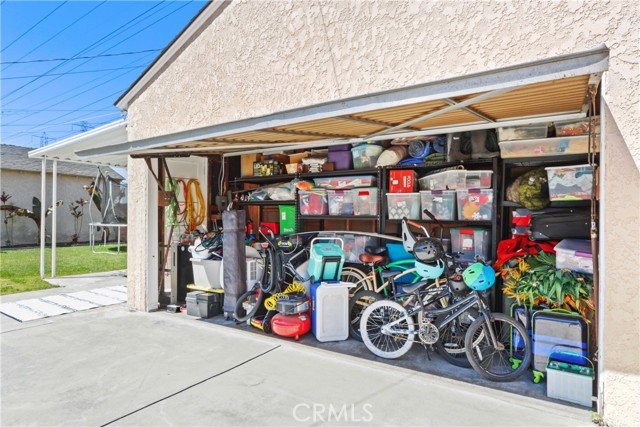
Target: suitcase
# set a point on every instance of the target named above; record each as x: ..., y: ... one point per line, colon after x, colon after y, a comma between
x: 569, y: 224
x: 523, y: 315
x: 560, y: 332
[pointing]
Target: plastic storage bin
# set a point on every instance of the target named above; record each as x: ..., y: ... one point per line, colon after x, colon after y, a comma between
x: 207, y: 273
x: 313, y: 202
x: 401, y: 205
x: 545, y: 147
x: 568, y: 183
x: 441, y: 203
x: 470, y: 242
x: 402, y: 181
x: 570, y: 382
x: 365, y: 201
x: 478, y: 179
x: 345, y: 182
x: 340, y: 202
x: 342, y: 160
x: 576, y: 127
x: 475, y: 204
x: 445, y: 180
x: 366, y: 156
x: 330, y: 311
x: 512, y: 133
x: 575, y: 255
x: 287, y: 219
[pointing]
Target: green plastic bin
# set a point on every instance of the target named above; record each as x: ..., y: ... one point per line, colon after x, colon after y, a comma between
x: 287, y: 219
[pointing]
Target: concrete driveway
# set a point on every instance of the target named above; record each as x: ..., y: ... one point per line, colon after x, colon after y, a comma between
x: 112, y: 366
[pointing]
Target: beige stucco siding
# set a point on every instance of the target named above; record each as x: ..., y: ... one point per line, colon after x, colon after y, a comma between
x: 261, y: 57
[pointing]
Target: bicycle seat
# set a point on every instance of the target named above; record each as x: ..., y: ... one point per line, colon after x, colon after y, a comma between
x: 376, y: 250
x: 411, y: 288
x: 389, y: 273
x: 371, y: 259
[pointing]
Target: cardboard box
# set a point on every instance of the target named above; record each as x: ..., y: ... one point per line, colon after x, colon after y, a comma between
x: 246, y: 164
x: 297, y: 157
x: 282, y: 158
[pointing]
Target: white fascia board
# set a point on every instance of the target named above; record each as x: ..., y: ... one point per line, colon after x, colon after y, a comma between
x: 172, y: 51
x: 582, y: 63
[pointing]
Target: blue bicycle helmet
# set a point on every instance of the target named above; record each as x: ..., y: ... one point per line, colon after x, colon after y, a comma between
x: 479, y: 277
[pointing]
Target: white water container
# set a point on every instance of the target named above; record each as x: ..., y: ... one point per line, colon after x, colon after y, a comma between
x: 330, y: 310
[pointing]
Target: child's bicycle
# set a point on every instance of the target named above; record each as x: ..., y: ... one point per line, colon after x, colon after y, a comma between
x: 388, y: 328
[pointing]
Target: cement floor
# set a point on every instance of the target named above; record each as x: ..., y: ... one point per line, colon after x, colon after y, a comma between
x: 112, y: 366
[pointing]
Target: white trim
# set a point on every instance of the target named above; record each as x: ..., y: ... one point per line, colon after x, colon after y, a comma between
x: 601, y: 250
x: 581, y: 63
x: 54, y: 218
x: 171, y: 52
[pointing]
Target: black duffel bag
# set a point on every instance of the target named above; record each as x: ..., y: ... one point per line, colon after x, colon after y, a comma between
x: 558, y: 225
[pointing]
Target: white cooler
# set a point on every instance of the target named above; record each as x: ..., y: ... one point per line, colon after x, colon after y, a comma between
x: 330, y: 310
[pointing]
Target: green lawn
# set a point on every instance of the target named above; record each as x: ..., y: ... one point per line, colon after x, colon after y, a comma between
x: 20, y: 268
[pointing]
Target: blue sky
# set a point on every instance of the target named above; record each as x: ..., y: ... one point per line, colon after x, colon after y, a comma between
x: 43, y: 100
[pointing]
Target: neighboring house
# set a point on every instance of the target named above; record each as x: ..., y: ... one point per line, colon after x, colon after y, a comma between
x: 244, y: 75
x: 20, y: 178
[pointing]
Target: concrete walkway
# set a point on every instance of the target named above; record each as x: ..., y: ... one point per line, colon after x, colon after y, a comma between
x: 112, y: 366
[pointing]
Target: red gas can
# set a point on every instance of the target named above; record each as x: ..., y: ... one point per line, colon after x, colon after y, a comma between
x: 291, y: 325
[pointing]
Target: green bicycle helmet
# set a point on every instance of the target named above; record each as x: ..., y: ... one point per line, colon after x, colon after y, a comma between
x: 430, y: 270
x: 479, y: 277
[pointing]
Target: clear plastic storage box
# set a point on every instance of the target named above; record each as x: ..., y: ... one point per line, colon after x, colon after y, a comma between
x: 470, y: 242
x: 512, y: 133
x: 475, y: 204
x: 354, y: 244
x: 365, y: 201
x: 575, y: 255
x: 478, y: 179
x: 576, y: 127
x: 345, y: 182
x: 365, y: 156
x: 401, y: 205
x: 340, y: 202
x: 445, y: 180
x: 568, y: 183
x: 313, y: 202
x: 441, y: 203
x: 545, y: 147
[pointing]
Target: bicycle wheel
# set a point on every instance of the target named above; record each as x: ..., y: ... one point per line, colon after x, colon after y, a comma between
x: 389, y: 345
x: 355, y: 275
x: 496, y: 363
x: 248, y: 304
x: 357, y: 304
x: 451, y: 344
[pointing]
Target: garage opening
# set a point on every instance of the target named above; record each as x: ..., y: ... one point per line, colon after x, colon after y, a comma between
x: 501, y: 167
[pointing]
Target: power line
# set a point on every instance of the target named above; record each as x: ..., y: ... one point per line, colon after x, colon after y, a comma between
x: 20, y: 111
x: 73, y: 72
x: 32, y: 27
x: 80, y: 57
x: 94, y: 44
x: 57, y: 34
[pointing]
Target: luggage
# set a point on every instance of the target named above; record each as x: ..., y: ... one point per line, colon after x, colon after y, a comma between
x: 569, y: 224
x: 523, y: 315
x: 561, y: 332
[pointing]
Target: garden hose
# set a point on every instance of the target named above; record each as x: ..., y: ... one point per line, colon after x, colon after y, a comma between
x: 173, y: 186
x: 270, y: 303
x: 196, y: 211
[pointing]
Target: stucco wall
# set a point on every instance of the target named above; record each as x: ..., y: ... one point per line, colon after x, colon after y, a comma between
x: 261, y: 57
x: 23, y: 186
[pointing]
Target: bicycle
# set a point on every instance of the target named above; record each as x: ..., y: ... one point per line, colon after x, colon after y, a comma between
x: 389, y: 329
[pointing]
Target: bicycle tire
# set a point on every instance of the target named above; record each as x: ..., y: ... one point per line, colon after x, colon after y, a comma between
x: 390, y: 346
x: 482, y: 356
x: 241, y: 307
x: 451, y: 344
x: 355, y: 275
x: 357, y: 304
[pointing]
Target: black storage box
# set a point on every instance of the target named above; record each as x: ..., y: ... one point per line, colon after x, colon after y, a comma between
x: 209, y: 304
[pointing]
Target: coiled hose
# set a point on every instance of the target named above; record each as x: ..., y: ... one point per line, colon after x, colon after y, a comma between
x: 196, y: 212
x: 270, y: 303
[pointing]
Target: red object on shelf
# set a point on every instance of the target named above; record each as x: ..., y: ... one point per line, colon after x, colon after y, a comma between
x: 291, y: 325
x: 402, y: 181
x: 274, y: 226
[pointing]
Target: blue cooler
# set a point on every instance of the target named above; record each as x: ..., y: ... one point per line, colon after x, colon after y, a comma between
x: 326, y: 259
